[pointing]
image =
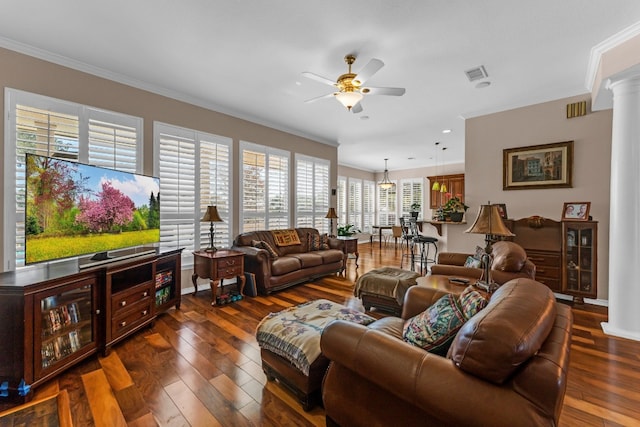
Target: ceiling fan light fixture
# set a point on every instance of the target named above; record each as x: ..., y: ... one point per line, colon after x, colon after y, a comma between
x: 348, y: 99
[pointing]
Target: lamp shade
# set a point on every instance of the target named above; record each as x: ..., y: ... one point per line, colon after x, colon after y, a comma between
x: 489, y: 221
x: 348, y: 99
x: 331, y: 214
x: 211, y: 215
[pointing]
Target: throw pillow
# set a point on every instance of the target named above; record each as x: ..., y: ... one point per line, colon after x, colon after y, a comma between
x: 260, y: 244
x: 318, y: 242
x: 435, y: 328
x: 471, y: 262
x: 285, y: 237
x: 471, y: 302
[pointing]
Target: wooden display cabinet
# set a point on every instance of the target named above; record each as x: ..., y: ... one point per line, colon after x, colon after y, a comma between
x: 579, y: 259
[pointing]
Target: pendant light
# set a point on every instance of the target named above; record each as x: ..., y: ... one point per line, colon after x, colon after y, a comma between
x: 443, y: 186
x: 436, y: 184
x: 386, y: 183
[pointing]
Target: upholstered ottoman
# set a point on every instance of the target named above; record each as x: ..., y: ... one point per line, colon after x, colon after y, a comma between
x: 384, y: 288
x: 290, y: 345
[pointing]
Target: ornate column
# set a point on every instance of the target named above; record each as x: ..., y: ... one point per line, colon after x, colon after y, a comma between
x: 624, y: 229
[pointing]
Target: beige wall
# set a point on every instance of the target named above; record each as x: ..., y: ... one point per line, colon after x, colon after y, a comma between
x: 30, y: 74
x: 544, y: 123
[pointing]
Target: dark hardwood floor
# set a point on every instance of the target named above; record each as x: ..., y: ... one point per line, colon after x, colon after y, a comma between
x: 200, y: 366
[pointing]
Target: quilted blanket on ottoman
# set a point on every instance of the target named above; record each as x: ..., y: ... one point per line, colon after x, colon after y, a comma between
x: 387, y: 281
x: 294, y: 333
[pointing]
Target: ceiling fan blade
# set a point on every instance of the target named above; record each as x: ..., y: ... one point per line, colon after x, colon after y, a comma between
x: 318, y: 78
x: 393, y: 91
x: 369, y: 70
x: 357, y: 108
x: 329, y: 95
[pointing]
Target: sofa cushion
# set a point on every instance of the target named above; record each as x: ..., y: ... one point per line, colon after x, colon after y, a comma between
x: 508, y: 256
x: 261, y: 244
x: 308, y: 259
x: 330, y: 255
x: 507, y: 333
x: 435, y: 328
x: 286, y: 237
x: 318, y: 242
x: 284, y: 265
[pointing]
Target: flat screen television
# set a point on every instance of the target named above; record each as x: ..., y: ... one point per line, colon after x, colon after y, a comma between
x: 75, y: 209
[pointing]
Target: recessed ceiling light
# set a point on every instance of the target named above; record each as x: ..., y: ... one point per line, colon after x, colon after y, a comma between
x: 411, y: 158
x: 446, y: 131
x: 298, y: 84
x: 482, y: 85
x: 364, y: 117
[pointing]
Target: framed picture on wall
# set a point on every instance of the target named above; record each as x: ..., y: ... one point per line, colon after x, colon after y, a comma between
x: 538, y: 166
x: 576, y: 211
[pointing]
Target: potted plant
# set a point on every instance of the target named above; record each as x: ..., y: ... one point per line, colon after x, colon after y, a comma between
x: 415, y: 209
x: 347, y: 230
x: 454, y: 208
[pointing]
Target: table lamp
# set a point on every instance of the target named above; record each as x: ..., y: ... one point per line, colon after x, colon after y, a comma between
x: 489, y: 223
x: 211, y: 215
x: 331, y: 215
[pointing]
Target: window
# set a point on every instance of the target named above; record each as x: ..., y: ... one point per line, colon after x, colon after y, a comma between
x: 312, y: 192
x: 264, y: 180
x: 411, y: 193
x: 342, y: 200
x: 195, y: 172
x: 387, y: 206
x: 368, y: 205
x: 354, y: 203
x: 56, y: 128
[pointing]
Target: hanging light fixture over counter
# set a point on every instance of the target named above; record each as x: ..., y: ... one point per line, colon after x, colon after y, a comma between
x: 386, y: 183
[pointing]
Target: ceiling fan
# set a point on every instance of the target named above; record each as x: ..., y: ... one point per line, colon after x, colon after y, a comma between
x: 350, y: 86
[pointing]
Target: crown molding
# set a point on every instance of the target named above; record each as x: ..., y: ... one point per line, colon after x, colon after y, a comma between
x: 599, y: 49
x: 158, y: 90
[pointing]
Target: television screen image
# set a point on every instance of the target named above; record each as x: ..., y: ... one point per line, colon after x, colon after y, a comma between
x: 75, y: 209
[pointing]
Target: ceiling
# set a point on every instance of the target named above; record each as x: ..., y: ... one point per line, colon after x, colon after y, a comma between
x: 246, y: 58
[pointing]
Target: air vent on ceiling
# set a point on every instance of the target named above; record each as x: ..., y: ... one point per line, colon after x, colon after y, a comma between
x: 476, y: 73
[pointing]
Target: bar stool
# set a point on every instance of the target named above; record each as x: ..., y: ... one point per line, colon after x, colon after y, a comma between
x: 407, y: 244
x: 425, y: 243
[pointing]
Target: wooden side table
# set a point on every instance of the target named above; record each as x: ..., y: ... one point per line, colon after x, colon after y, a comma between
x: 217, y: 266
x: 350, y: 246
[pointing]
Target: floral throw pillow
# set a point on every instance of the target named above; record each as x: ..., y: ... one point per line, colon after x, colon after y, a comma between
x: 435, y: 328
x: 261, y: 244
x: 471, y: 262
x: 471, y: 302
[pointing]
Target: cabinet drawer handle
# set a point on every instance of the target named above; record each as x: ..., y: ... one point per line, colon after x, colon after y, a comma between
x: 232, y: 262
x: 123, y: 323
x: 144, y: 312
x: 230, y: 270
x: 145, y: 293
x: 123, y: 303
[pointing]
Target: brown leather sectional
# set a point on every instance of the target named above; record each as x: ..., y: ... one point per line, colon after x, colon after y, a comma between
x: 294, y: 264
x: 507, y: 366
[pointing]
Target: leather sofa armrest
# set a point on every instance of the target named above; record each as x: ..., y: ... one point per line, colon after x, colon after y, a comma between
x: 256, y: 261
x: 457, y: 270
x: 452, y: 258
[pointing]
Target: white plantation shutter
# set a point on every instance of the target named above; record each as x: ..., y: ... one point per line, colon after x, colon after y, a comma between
x: 387, y: 206
x: 195, y: 172
x: 312, y: 192
x: 354, y: 203
x: 411, y: 193
x: 265, y: 187
x: 368, y: 205
x: 51, y: 127
x: 342, y: 200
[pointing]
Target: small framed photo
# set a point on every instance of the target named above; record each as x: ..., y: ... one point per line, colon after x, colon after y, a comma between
x: 502, y: 209
x: 576, y: 211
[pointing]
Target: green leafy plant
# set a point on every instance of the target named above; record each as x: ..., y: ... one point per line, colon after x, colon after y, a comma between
x: 415, y: 207
x: 347, y: 230
x: 454, y: 204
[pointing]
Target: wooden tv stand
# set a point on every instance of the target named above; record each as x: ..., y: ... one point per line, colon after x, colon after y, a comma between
x: 55, y: 315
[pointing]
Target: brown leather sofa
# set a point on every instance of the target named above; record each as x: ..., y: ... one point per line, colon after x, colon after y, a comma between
x: 507, y: 366
x: 293, y: 264
x: 509, y: 262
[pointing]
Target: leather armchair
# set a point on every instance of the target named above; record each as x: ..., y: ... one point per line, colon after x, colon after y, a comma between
x: 509, y: 262
x: 507, y: 366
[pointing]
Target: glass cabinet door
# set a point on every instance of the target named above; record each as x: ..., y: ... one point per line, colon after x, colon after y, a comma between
x: 580, y: 258
x: 64, y: 325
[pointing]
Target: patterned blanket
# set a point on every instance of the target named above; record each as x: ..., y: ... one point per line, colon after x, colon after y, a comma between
x: 294, y: 333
